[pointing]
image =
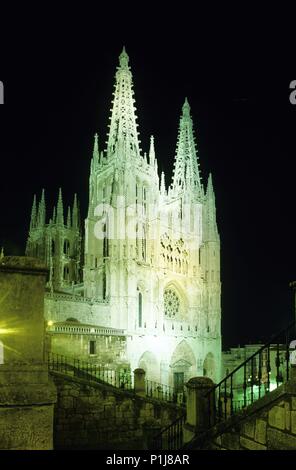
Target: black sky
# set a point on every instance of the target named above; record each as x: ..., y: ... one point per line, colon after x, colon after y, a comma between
x: 235, y: 68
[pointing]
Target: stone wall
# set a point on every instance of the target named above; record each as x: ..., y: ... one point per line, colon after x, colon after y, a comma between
x: 27, y: 397
x: 27, y: 393
x: 270, y: 429
x: 94, y: 416
x: 60, y: 307
x: 109, y: 349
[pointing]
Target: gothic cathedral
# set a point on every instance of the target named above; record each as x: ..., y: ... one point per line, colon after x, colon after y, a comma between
x: 148, y: 259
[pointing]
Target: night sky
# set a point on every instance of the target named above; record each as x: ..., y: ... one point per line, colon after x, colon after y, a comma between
x: 58, y: 71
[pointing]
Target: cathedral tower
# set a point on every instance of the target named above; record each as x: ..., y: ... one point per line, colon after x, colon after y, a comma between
x: 152, y: 253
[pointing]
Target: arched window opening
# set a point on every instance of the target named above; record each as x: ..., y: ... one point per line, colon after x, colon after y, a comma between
x: 52, y: 247
x: 140, y: 309
x: 66, y: 273
x: 137, y: 241
x: 137, y: 197
x: 144, y: 244
x: 104, y: 287
x: 105, y: 241
x: 144, y: 200
x: 66, y: 247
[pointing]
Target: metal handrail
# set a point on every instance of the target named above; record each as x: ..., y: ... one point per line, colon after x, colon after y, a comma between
x: 165, y: 392
x: 271, y: 342
x: 171, y: 437
x: 89, y: 371
x: 260, y: 364
x: 92, y: 372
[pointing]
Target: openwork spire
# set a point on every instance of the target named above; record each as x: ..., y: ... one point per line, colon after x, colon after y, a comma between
x: 60, y: 209
x: 151, y: 151
x: 96, y: 147
x: 96, y: 154
x: 69, y: 217
x: 75, y: 215
x: 162, y: 184
x: 186, y: 172
x: 123, y: 127
x: 211, y: 230
x: 33, y: 214
x: 54, y: 215
x: 41, y: 211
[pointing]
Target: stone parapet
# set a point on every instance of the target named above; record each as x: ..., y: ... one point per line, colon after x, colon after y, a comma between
x: 27, y: 393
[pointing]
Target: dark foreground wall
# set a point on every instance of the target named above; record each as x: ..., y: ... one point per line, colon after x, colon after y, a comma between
x: 27, y: 394
x: 94, y: 416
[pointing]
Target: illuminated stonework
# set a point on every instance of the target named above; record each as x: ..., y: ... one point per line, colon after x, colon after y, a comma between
x: 151, y: 262
x: 57, y: 242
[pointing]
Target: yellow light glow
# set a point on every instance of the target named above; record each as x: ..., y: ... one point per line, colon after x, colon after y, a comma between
x: 50, y: 323
x: 11, y: 327
x: 8, y: 331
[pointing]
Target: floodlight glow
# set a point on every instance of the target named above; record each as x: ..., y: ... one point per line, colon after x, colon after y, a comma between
x: 8, y: 331
x: 11, y: 327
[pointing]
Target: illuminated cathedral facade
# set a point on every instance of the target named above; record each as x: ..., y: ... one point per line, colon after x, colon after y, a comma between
x: 147, y: 260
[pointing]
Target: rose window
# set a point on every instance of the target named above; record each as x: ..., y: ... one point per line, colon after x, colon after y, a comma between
x: 171, y: 303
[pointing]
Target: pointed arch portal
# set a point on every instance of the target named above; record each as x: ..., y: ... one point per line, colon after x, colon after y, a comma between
x: 149, y: 363
x: 183, y: 365
x: 209, y: 366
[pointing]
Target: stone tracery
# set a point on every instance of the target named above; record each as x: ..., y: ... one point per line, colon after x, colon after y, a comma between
x: 171, y: 303
x: 174, y: 255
